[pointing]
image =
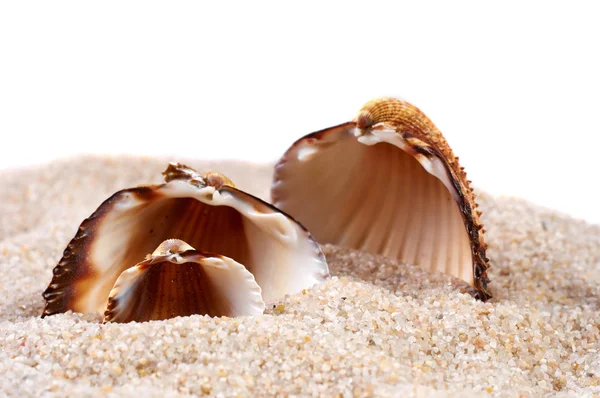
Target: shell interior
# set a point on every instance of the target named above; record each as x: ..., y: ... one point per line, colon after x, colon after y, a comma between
x: 372, y: 191
x: 183, y: 283
x: 278, y: 251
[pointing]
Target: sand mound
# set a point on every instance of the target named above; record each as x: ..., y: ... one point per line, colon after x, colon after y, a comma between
x: 378, y: 328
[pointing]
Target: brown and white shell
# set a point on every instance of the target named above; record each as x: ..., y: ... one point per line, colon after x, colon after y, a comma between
x: 177, y: 280
x: 387, y: 183
x: 205, y: 211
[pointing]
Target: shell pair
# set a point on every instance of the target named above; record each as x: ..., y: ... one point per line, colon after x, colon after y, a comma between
x: 386, y: 182
x: 248, y: 252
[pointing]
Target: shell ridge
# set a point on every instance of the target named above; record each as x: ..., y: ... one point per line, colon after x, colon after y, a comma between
x: 120, y: 307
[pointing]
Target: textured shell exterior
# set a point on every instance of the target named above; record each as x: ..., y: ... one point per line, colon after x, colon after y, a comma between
x: 416, y: 135
x: 409, y: 120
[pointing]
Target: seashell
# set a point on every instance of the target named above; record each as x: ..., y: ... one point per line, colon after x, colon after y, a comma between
x: 387, y: 183
x: 208, y: 213
x: 177, y: 280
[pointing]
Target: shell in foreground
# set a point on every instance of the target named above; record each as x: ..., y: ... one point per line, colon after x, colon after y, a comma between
x: 177, y: 280
x: 205, y: 211
x: 387, y: 183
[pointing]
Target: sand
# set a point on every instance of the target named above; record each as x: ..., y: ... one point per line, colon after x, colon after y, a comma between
x: 377, y: 328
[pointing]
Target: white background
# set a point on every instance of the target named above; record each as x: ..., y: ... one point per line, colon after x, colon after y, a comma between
x: 513, y: 86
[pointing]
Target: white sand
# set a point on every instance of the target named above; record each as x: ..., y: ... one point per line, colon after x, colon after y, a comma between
x: 376, y: 329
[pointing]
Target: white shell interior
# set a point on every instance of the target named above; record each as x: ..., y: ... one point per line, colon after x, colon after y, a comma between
x: 184, y: 284
x: 275, y: 249
x: 363, y: 191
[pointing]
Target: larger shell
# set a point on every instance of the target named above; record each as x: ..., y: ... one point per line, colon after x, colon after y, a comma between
x: 205, y: 211
x: 388, y: 183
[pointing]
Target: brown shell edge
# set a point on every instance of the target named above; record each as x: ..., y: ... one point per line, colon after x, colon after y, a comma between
x: 59, y: 295
x: 75, y: 262
x: 467, y: 204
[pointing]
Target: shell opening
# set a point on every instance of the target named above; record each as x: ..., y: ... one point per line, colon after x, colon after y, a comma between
x: 187, y: 283
x: 376, y: 198
x: 280, y: 254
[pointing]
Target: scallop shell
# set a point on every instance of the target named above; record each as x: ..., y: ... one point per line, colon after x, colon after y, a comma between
x: 387, y: 183
x: 177, y: 280
x: 207, y: 212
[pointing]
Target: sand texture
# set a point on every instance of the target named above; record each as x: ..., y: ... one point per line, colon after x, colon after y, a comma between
x: 377, y: 328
